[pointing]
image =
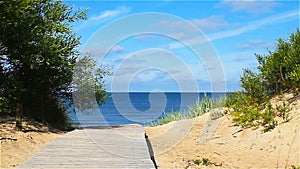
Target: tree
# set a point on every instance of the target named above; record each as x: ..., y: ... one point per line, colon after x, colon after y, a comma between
x: 87, y: 84
x: 38, y: 51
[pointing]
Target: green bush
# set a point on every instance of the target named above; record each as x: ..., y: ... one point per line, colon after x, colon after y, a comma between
x: 247, y: 116
x: 278, y: 72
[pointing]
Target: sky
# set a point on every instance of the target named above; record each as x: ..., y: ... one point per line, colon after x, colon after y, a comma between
x: 182, y: 46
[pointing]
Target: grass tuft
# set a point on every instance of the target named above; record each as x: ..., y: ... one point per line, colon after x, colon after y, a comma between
x: 199, y: 108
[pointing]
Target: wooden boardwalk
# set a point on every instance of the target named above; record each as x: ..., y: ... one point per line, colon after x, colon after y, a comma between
x: 99, y: 147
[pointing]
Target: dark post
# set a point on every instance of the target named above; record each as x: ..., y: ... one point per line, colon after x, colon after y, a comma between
x: 19, y: 111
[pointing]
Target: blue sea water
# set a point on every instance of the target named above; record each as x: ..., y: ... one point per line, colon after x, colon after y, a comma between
x: 139, y: 107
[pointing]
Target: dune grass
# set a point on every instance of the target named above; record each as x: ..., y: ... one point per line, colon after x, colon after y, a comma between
x: 167, y: 118
x: 199, y: 108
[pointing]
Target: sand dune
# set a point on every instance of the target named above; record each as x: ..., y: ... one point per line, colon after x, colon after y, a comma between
x: 227, y: 145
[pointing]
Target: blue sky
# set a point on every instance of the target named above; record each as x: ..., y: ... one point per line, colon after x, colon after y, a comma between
x: 191, y: 46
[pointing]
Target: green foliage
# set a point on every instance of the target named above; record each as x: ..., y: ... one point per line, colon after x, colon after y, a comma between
x: 277, y: 72
x: 268, y: 121
x: 197, y: 161
x: 247, y: 116
x: 294, y: 167
x: 253, y: 85
x: 2, y: 105
x: 38, y: 51
x: 204, y: 161
x: 88, y: 83
x: 59, y: 119
x: 283, y: 111
x: 280, y: 69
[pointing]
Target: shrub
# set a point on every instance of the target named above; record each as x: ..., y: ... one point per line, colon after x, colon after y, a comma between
x: 278, y: 72
x: 267, y: 117
x: 252, y: 83
x: 283, y: 111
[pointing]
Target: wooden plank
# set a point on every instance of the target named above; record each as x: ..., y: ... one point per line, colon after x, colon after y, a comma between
x: 98, y: 147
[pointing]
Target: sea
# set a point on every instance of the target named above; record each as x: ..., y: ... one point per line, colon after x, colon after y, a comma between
x: 138, y: 107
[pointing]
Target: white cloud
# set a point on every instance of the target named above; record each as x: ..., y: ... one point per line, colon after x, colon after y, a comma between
x: 252, y: 6
x: 210, y: 23
x: 111, y: 13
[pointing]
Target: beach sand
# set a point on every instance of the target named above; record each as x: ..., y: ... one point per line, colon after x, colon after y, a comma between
x: 227, y: 145
x: 179, y: 144
x: 17, y: 146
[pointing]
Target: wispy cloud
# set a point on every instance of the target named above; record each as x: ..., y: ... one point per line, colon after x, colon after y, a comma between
x: 117, y: 49
x: 254, y: 25
x: 149, y: 75
x: 104, y: 16
x: 256, y: 43
x: 210, y: 23
x: 252, y: 6
x: 111, y: 13
x: 152, y: 37
x: 243, y: 29
x: 179, y: 29
x: 205, y: 24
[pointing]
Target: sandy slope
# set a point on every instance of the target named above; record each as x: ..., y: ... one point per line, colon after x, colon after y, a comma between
x: 17, y: 146
x: 227, y: 145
